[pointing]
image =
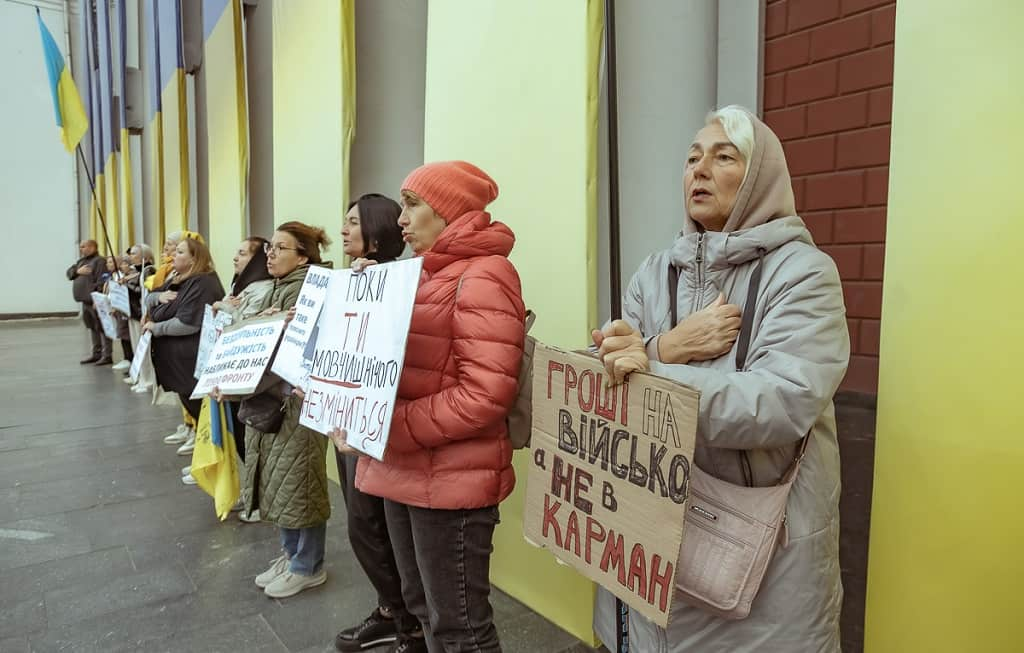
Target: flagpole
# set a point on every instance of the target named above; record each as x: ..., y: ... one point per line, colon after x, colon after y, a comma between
x: 99, y: 210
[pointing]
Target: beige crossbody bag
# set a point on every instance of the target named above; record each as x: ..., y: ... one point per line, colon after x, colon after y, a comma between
x: 731, y: 531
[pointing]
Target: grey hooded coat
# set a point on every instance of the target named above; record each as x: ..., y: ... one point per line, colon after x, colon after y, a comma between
x: 799, y: 351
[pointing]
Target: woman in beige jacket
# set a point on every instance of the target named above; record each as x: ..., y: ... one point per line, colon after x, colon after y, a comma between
x: 740, y: 208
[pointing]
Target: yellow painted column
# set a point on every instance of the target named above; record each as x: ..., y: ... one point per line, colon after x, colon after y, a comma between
x: 946, y: 568
x: 314, y: 110
x: 228, y: 132
x: 512, y: 87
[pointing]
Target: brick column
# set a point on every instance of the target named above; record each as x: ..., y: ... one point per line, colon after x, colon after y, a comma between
x: 828, y: 96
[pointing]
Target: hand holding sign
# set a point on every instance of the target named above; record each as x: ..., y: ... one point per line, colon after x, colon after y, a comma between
x: 621, y: 348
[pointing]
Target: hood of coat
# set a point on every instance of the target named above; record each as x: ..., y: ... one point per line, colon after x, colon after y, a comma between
x: 720, y: 250
x: 767, y: 190
x: 470, y: 235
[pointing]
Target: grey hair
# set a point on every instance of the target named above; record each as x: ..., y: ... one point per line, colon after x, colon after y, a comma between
x: 178, y: 236
x: 738, y: 126
x: 145, y: 250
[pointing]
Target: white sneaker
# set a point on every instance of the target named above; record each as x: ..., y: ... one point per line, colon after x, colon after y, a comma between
x: 188, y: 479
x: 190, y: 444
x: 178, y: 436
x: 289, y: 584
x: 140, y: 388
x: 128, y: 381
x: 123, y: 365
x: 186, y: 470
x: 249, y: 517
x: 278, y: 566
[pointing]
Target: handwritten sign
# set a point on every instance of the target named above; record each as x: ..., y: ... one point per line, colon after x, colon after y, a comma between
x: 213, y: 325
x: 292, y: 362
x: 141, y: 356
x: 607, y: 487
x: 359, y: 351
x: 240, y: 356
x: 102, y: 305
x: 118, y: 296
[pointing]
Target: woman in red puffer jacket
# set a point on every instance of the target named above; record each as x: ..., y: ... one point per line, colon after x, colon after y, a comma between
x: 448, y: 462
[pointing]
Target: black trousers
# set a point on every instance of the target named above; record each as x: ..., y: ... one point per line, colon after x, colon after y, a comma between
x: 371, y: 543
x: 444, y: 557
x: 100, y: 343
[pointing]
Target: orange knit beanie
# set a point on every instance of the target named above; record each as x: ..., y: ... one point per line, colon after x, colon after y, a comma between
x: 452, y: 188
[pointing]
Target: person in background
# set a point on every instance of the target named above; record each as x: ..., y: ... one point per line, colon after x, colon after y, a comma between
x: 114, y: 275
x: 84, y: 276
x: 163, y: 280
x: 286, y: 471
x: 175, y: 317
x: 126, y: 270
x: 741, y: 234
x: 371, y: 232
x: 448, y: 461
x: 141, y: 258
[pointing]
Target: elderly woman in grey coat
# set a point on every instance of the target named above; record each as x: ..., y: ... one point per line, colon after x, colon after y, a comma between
x: 740, y: 210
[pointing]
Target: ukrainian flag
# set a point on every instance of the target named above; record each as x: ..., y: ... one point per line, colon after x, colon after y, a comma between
x: 67, y: 104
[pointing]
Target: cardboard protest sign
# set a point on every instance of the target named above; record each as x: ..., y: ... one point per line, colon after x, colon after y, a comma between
x: 240, y: 356
x: 213, y: 325
x: 359, y: 351
x: 292, y: 363
x: 141, y: 354
x: 607, y: 487
x: 102, y: 306
x: 118, y: 296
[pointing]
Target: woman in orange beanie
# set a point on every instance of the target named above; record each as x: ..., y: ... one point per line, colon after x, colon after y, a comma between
x: 448, y: 462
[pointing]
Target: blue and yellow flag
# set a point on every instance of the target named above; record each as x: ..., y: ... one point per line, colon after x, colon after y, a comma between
x: 67, y: 104
x: 214, y: 464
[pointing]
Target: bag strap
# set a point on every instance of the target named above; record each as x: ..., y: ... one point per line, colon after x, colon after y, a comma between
x: 743, y: 340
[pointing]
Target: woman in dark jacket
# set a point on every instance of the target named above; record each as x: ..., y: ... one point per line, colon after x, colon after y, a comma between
x: 287, y: 470
x: 371, y: 232
x: 175, y: 319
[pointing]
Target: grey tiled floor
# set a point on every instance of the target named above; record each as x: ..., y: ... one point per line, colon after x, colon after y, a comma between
x: 103, y: 549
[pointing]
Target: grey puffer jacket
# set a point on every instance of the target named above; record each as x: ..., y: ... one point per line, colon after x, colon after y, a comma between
x: 798, y: 355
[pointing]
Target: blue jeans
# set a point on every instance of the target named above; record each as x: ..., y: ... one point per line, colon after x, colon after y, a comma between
x: 305, y: 548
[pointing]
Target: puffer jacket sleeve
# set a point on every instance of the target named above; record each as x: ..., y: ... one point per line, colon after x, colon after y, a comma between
x: 488, y: 329
x: 798, y: 356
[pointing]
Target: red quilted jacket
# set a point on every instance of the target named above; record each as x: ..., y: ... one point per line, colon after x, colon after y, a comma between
x: 449, y: 447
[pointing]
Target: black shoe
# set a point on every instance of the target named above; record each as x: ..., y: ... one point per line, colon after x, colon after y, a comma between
x: 407, y: 644
x: 91, y: 359
x: 376, y: 630
x: 104, y: 361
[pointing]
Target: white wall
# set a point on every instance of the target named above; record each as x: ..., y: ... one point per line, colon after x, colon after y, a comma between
x: 37, y: 175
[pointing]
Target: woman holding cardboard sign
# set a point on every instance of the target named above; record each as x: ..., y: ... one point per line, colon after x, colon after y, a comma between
x: 286, y: 467
x: 448, y: 462
x: 759, y: 328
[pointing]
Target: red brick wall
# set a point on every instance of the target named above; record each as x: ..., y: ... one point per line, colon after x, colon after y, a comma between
x: 828, y: 95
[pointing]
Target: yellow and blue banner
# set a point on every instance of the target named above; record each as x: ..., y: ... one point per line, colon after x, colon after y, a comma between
x: 88, y: 59
x: 67, y: 103
x: 108, y: 155
x: 126, y: 197
x: 214, y: 460
x: 174, y: 113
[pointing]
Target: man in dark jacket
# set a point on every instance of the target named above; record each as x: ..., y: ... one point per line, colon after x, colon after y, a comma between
x: 85, y: 278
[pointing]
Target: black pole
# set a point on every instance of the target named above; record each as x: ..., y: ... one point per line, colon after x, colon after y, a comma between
x: 99, y: 210
x: 613, y: 161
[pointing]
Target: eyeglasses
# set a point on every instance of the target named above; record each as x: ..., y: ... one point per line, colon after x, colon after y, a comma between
x: 278, y: 248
